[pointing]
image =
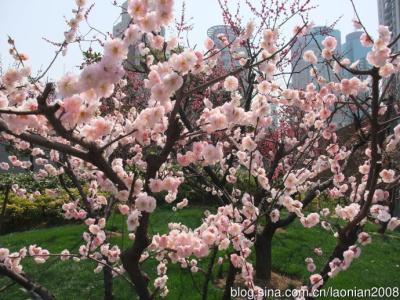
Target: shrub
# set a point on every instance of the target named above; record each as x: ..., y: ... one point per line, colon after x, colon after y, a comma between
x: 22, y: 213
x: 28, y: 181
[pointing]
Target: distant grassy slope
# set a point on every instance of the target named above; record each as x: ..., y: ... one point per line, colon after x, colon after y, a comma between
x: 377, y: 266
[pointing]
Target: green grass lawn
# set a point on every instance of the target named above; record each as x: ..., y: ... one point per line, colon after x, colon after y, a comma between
x: 379, y: 264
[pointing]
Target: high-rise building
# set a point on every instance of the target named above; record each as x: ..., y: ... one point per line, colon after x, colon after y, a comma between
x: 355, y: 51
x: 389, y: 15
x: 118, y: 31
x: 119, y: 28
x: 313, y: 41
x: 219, y: 34
x: 351, y: 49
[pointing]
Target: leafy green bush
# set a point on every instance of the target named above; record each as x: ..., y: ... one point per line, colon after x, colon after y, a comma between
x: 22, y: 213
x: 27, y: 181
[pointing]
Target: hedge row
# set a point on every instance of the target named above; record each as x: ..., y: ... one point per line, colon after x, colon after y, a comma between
x: 25, y: 214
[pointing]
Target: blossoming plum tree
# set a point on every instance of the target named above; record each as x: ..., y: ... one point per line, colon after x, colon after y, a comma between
x: 264, y: 150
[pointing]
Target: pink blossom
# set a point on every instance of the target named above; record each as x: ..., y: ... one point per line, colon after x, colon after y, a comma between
x: 316, y: 281
x: 264, y: 182
x: 65, y: 255
x: 160, y: 282
x: 4, y: 253
x: 217, y: 121
x: 137, y: 8
x: 311, y: 267
x: 156, y: 185
x: 388, y: 176
x: 211, y: 154
x: 384, y: 33
x: 183, y: 62
x: 145, y: 203
x: 72, y: 108
x: 4, y: 166
x: 3, y: 101
x: 378, y: 57
x: 310, y: 57
x: 364, y: 238
x: 348, y: 212
x: 380, y: 212
x: 209, y: 44
x: 124, y: 209
x: 182, y: 204
x: 310, y: 221
x: 274, y: 215
x: 116, y: 49
x: 248, y: 144
x: 393, y: 223
x: 132, y: 34
x: 133, y: 220
x: 68, y: 85
x: 366, y: 40
x: 329, y: 43
x: 364, y: 169
x: 327, y: 54
x: 318, y: 251
x: 324, y: 113
x: 209, y: 237
x: 387, y: 70
x: 264, y: 87
x: 231, y: 83
x: 183, y: 160
x: 172, y: 82
x: 291, y: 181
x: 80, y: 3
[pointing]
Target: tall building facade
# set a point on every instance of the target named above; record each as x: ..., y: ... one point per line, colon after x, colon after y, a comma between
x: 355, y: 51
x: 313, y: 41
x: 389, y: 15
x: 351, y: 49
x: 218, y: 33
x: 118, y: 31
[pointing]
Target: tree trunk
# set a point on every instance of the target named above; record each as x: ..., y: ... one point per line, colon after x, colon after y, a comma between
x: 220, y: 273
x: 4, y: 206
x: 108, y: 283
x: 130, y: 260
x: 263, y: 249
x: 230, y: 280
x: 32, y: 287
x: 347, y: 238
x: 209, y: 273
x: 139, y: 279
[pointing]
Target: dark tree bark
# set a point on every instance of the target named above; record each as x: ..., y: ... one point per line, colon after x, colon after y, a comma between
x: 209, y: 273
x: 4, y: 206
x: 130, y: 260
x: 230, y: 280
x: 108, y: 283
x: 263, y: 249
x: 31, y: 286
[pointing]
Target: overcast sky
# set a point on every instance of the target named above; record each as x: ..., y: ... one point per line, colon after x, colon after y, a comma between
x: 28, y: 21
